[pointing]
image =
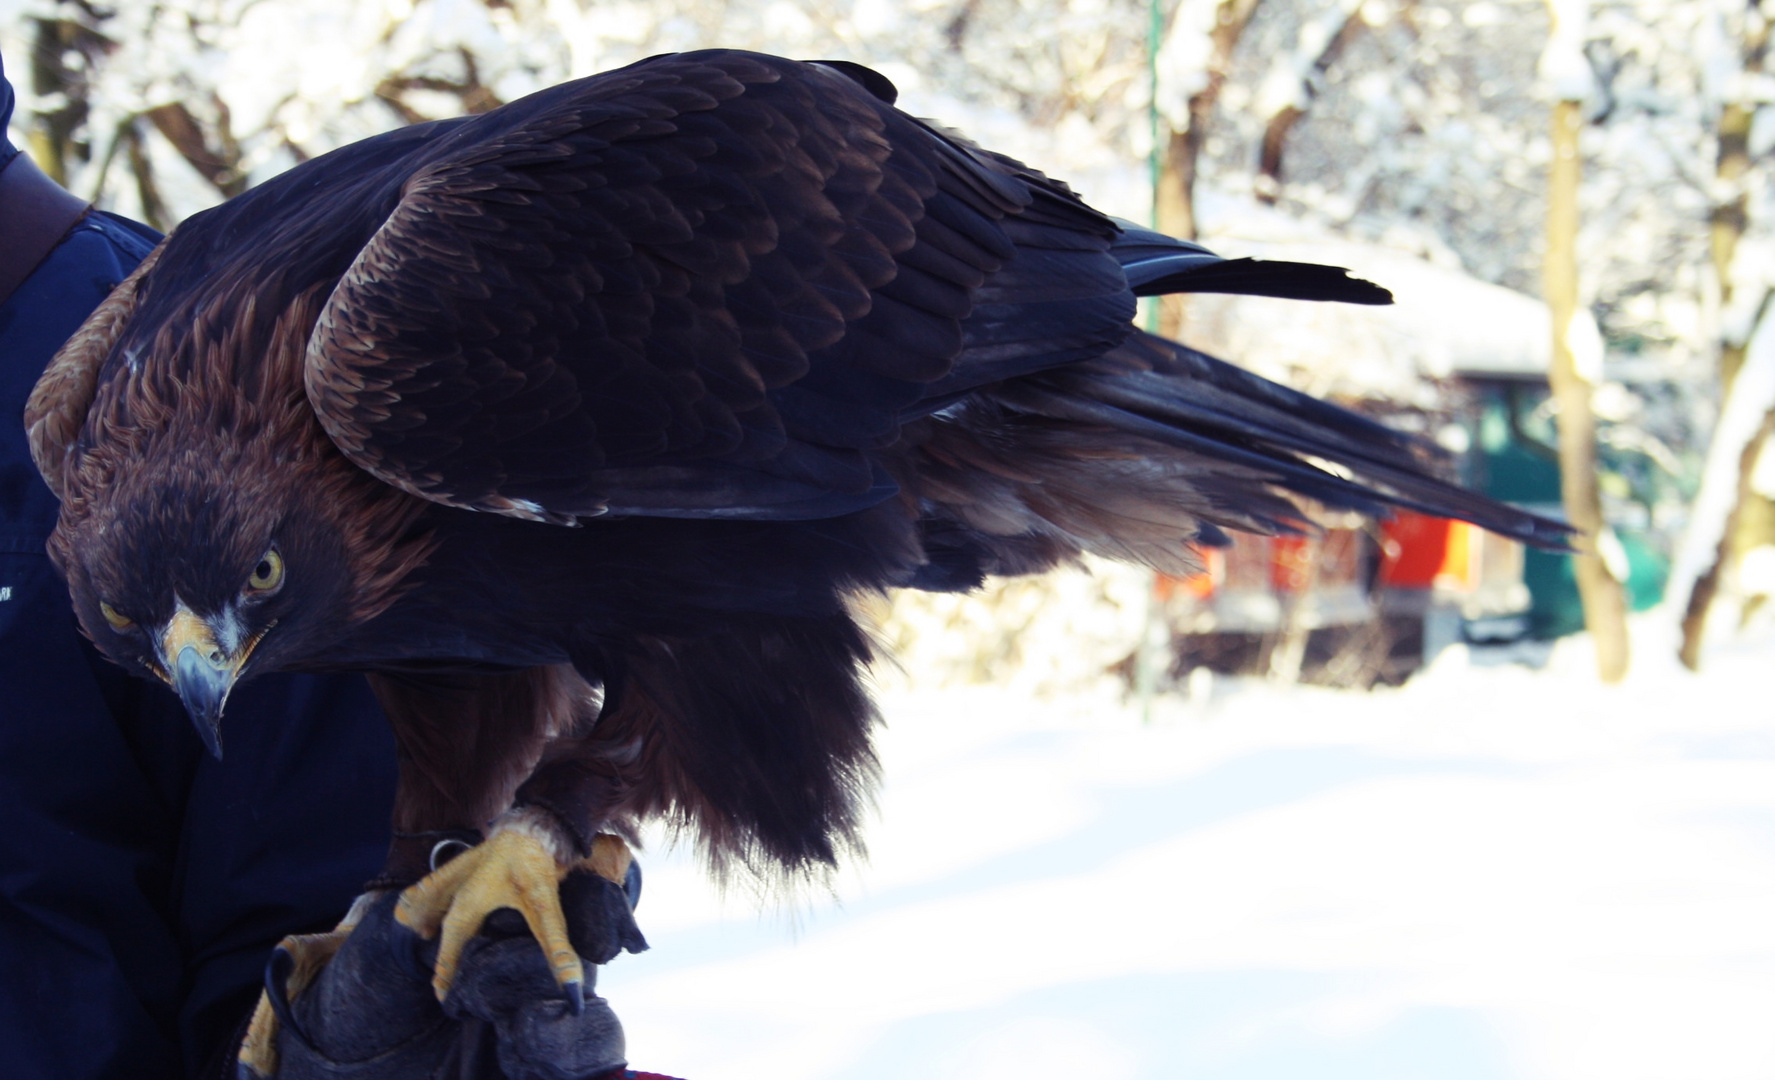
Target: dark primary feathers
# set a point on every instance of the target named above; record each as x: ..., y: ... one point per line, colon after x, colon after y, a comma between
x: 760, y: 339
x: 1156, y: 264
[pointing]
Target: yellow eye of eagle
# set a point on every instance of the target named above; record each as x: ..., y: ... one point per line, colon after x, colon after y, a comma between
x: 119, y: 622
x: 268, y: 576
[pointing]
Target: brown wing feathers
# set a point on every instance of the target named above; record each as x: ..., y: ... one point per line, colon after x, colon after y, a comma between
x: 622, y: 282
x: 58, y: 405
x: 721, y: 266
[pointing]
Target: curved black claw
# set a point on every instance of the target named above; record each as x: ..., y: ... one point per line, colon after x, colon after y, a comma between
x: 575, y: 992
x: 279, y: 966
x: 631, y: 884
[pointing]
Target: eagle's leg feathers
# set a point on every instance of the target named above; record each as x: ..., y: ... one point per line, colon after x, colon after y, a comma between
x: 520, y: 865
x: 306, y: 955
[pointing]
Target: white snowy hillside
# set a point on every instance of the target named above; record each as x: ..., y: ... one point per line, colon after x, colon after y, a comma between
x: 1493, y: 873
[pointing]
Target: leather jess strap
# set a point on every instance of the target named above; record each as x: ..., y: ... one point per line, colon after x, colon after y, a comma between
x: 35, y: 213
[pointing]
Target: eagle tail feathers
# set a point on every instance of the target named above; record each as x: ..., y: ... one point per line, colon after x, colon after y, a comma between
x: 1156, y: 264
x: 1154, y: 451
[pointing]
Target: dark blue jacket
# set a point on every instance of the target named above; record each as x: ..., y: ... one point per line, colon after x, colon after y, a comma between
x: 141, y: 882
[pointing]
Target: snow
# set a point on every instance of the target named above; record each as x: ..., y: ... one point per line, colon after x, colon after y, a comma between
x: 1184, y: 60
x: 1492, y: 872
x: 1564, y: 67
x: 1288, y: 83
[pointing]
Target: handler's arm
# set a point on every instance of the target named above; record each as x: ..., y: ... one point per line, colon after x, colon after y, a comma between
x: 142, y: 885
x: 90, y: 966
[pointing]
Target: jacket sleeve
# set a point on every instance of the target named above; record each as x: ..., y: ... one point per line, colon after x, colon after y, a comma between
x: 90, y: 966
x: 277, y: 838
x: 141, y: 883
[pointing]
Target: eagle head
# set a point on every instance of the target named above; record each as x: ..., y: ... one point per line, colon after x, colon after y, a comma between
x: 210, y: 531
x: 203, y: 567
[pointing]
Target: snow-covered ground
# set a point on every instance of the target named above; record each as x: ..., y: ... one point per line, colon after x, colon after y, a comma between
x: 1492, y: 872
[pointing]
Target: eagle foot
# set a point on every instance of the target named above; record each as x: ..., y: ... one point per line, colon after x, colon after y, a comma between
x: 304, y: 955
x: 521, y: 866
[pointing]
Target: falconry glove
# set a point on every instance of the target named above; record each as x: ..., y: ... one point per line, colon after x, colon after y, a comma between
x: 506, y: 982
x: 371, y: 1013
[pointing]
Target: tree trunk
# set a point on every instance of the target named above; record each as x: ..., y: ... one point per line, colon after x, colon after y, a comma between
x: 1745, y: 527
x: 1176, y: 211
x: 1707, y: 586
x: 1174, y: 202
x: 147, y: 189
x: 1605, y: 603
x: 1268, y: 185
x: 1729, y: 218
x: 219, y: 164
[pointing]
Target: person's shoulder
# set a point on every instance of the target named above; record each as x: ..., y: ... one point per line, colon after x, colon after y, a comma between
x: 132, y: 235
x: 107, y: 236
x: 96, y: 254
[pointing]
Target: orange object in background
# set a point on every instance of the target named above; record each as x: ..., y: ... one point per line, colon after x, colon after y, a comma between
x: 1199, y: 586
x: 1461, y: 563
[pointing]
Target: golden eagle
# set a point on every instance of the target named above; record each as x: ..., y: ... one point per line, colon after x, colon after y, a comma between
x: 576, y: 424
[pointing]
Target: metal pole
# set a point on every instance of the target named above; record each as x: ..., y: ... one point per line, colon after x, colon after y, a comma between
x: 1155, y: 637
x: 1155, y: 32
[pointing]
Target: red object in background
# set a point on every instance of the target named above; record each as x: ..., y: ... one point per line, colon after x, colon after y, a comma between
x: 1291, y: 562
x: 1415, y: 550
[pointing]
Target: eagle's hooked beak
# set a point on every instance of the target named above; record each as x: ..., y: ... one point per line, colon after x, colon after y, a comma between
x: 200, y: 672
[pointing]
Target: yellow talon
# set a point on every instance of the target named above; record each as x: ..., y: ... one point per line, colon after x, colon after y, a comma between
x: 310, y: 953
x: 513, y: 868
x: 258, y: 1051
